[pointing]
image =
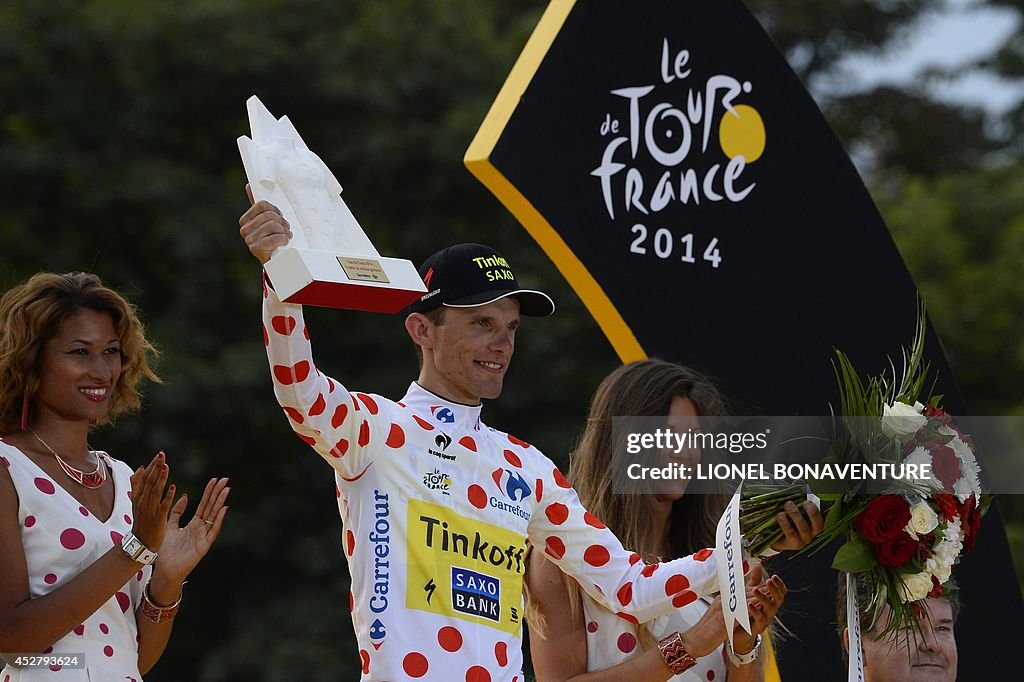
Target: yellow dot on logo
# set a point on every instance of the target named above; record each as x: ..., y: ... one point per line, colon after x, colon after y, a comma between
x: 742, y: 133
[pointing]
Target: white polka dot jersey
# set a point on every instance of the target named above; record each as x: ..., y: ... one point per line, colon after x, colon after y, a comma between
x: 437, y: 510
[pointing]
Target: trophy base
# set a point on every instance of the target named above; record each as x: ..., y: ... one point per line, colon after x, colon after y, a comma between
x: 331, y: 280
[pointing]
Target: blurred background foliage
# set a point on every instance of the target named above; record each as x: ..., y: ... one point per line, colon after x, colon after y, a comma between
x: 118, y: 121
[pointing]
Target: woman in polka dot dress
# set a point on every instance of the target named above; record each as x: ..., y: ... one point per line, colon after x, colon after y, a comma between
x: 576, y: 635
x: 79, y: 531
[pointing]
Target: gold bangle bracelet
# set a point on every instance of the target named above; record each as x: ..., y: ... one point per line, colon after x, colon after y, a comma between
x: 159, y: 614
x: 677, y: 658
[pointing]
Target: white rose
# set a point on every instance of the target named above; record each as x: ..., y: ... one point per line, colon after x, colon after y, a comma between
x: 900, y: 419
x: 940, y: 568
x: 923, y: 519
x: 915, y: 587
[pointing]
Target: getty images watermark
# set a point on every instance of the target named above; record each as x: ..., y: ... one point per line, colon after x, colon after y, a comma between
x: 712, y: 455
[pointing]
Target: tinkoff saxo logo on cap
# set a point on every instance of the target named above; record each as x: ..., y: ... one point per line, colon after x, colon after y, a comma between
x: 470, y: 275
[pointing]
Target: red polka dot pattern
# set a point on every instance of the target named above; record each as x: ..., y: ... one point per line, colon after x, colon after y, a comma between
x: 371, y: 404
x: 128, y: 519
x: 308, y: 440
x: 592, y: 626
x: 560, y: 479
x: 554, y: 547
x: 703, y: 554
x: 477, y: 496
x: 294, y: 415
x: 283, y: 325
x: 79, y: 630
x: 468, y: 443
x: 49, y: 579
x: 340, y: 413
x: 45, y: 485
x: 628, y: 618
x: 415, y: 664
x: 557, y: 513
x: 319, y: 405
x: 72, y: 538
x: 649, y: 570
x: 266, y: 336
x: 364, y: 434
x: 30, y: 521
x: 449, y: 638
x: 711, y: 675
x: 501, y: 653
x: 123, y: 600
x: 596, y: 555
x: 634, y: 558
x: 396, y: 437
x: 339, y: 450
x: 108, y: 651
x: 593, y: 521
x: 350, y: 542
x: 83, y: 511
x: 515, y: 441
x: 513, y: 459
x: 104, y: 629
x: 625, y: 594
x: 539, y: 488
x: 424, y: 424
x: 687, y: 597
x: 364, y: 660
x: 626, y: 642
x: 290, y: 375
x: 478, y: 674
x: 677, y: 583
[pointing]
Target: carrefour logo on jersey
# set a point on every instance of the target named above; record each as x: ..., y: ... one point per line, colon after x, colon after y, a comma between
x: 443, y: 414
x: 380, y: 539
x: 514, y: 487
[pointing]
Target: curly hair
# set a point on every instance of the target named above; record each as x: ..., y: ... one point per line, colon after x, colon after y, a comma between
x: 33, y: 312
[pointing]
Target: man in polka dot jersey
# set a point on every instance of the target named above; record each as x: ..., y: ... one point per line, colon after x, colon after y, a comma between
x: 438, y: 508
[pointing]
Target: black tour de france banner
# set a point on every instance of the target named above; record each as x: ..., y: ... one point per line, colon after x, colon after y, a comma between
x: 670, y: 163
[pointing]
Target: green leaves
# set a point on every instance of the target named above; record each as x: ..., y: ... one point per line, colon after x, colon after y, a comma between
x: 855, y: 556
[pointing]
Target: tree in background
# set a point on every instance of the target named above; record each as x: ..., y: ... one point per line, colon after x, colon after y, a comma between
x: 117, y: 154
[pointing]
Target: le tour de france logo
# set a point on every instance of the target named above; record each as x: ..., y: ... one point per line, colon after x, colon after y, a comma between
x: 663, y: 149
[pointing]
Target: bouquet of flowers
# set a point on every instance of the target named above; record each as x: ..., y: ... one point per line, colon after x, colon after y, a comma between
x: 910, y: 537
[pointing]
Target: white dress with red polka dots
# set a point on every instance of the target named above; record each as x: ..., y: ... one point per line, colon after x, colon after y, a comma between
x: 438, y: 509
x: 61, y: 538
x: 611, y: 640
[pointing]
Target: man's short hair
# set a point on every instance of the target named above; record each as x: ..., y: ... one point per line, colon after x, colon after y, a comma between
x: 865, y: 585
x: 435, y: 315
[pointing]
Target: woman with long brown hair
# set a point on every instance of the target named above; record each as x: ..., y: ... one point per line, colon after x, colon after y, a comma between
x: 80, y: 596
x: 577, y: 639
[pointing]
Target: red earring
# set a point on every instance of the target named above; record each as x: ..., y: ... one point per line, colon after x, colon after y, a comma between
x: 24, y: 411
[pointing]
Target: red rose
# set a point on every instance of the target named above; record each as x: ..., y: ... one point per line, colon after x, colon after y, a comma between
x: 970, y: 522
x: 947, y: 506
x: 936, y: 413
x: 897, y: 551
x: 945, y: 466
x: 884, y: 518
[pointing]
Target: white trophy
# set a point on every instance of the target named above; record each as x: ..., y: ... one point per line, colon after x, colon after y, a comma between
x: 329, y: 260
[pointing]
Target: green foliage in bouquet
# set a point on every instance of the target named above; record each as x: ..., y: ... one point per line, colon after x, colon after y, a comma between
x: 908, y: 539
